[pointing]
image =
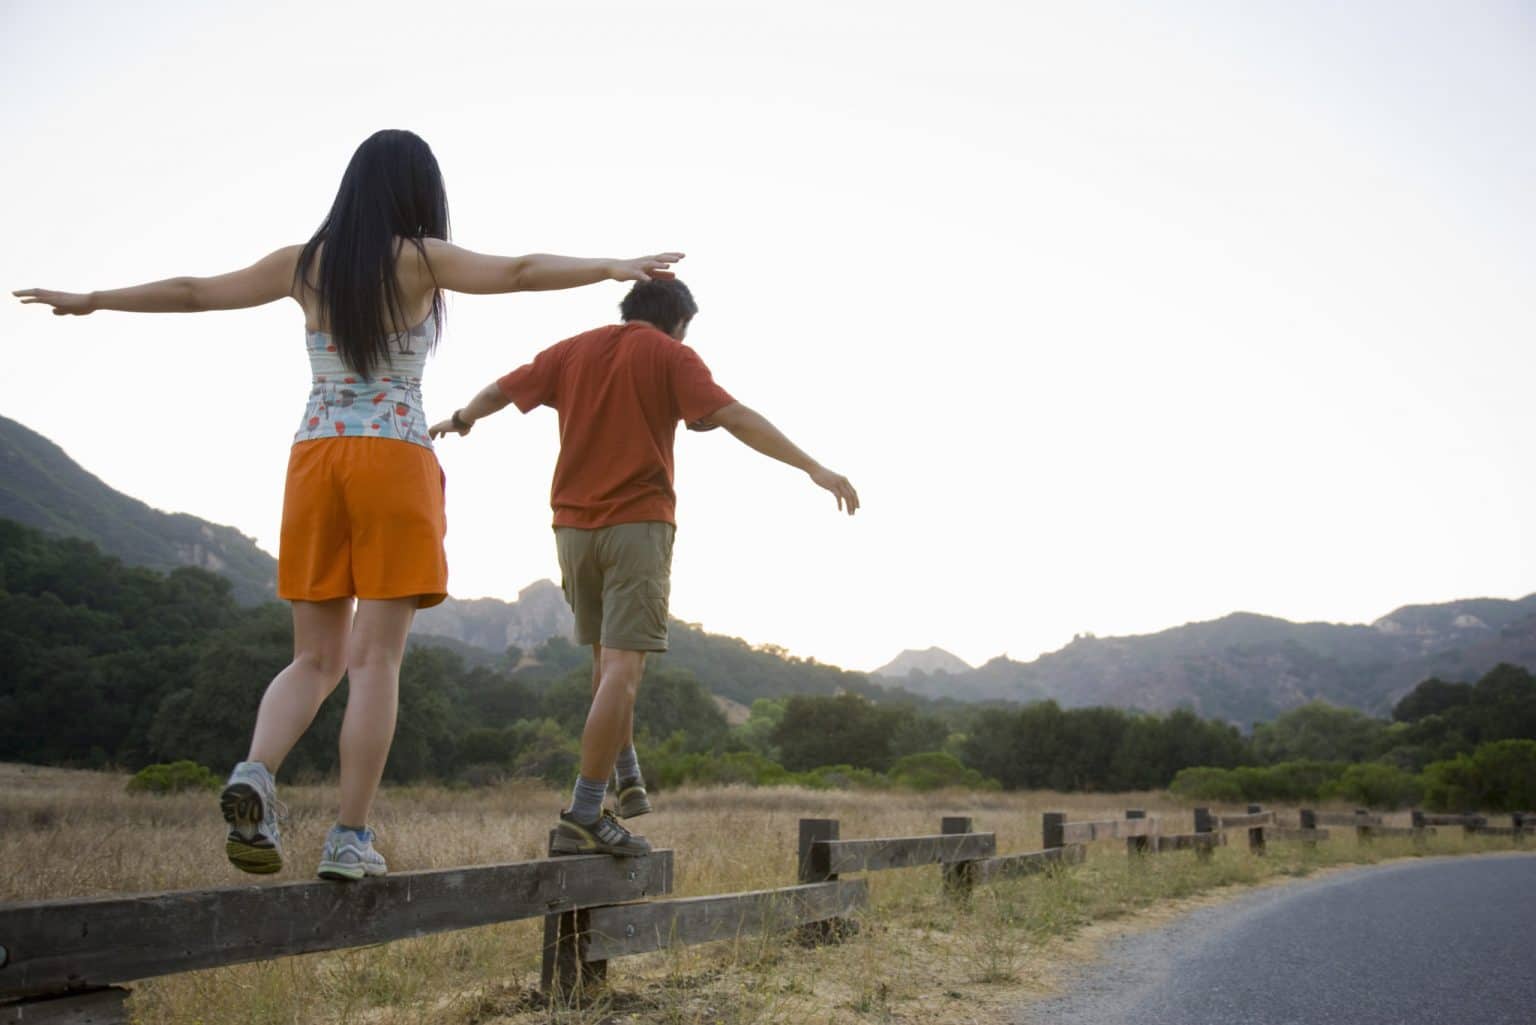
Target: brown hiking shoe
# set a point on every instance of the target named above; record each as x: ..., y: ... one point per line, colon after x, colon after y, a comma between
x: 605, y: 836
x: 631, y: 797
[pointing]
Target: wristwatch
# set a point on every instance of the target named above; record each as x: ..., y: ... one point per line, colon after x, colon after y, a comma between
x: 460, y: 423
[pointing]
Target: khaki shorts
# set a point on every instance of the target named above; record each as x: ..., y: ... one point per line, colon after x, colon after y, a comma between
x: 617, y: 580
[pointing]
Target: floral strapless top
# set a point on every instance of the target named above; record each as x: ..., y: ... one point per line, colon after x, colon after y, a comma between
x: 344, y: 404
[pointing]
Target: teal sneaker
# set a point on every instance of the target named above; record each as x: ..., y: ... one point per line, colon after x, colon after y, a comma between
x: 250, y: 806
x: 349, y: 855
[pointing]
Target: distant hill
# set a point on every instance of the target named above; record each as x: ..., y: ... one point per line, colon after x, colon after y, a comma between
x: 1242, y: 667
x: 929, y: 660
x: 44, y: 488
x: 1246, y: 668
x: 539, y: 613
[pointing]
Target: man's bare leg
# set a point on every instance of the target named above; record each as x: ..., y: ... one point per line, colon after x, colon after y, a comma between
x: 597, y: 679
x: 584, y: 828
x: 611, y: 720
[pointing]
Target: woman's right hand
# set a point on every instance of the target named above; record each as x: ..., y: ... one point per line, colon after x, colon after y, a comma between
x: 65, y: 304
x: 646, y: 268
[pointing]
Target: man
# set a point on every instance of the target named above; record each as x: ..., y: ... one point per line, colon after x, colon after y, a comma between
x: 620, y: 392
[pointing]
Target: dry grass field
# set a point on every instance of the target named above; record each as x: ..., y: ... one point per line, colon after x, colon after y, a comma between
x: 918, y: 957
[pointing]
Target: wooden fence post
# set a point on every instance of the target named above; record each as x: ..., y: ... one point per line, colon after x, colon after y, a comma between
x: 958, y: 875
x: 1204, y: 823
x: 1135, y: 845
x: 1053, y: 829
x: 1362, y: 826
x: 564, y: 975
x: 815, y: 867
x: 1255, y: 833
x: 1470, y: 821
x: 1309, y: 821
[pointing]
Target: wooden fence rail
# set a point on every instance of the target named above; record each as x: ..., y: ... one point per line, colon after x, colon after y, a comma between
x: 656, y: 925
x: 53, y: 946
x: 65, y: 959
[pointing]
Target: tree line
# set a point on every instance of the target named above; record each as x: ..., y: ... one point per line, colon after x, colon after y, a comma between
x: 111, y: 665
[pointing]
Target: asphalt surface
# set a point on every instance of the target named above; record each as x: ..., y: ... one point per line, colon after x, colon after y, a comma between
x: 1440, y: 942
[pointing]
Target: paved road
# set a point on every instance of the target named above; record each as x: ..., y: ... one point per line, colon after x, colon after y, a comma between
x: 1443, y: 942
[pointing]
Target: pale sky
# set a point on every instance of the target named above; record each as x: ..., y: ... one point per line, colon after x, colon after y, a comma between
x: 1118, y: 315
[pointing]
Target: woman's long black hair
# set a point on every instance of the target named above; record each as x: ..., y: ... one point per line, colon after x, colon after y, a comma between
x: 392, y: 191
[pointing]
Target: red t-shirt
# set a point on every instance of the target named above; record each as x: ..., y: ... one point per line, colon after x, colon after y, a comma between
x: 620, y: 392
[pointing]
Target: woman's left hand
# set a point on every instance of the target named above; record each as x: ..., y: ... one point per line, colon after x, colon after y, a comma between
x: 65, y: 304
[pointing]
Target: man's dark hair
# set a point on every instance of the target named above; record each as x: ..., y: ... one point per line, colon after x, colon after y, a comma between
x: 667, y: 304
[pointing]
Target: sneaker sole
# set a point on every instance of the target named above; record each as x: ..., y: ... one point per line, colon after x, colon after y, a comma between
x: 246, y: 848
x: 564, y: 846
x: 260, y: 861
x: 341, y: 873
x: 634, y: 808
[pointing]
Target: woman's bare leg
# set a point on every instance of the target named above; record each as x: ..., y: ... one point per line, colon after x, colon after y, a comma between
x: 296, y: 694
x: 374, y: 653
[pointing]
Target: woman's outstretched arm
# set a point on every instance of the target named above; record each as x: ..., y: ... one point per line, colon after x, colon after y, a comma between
x: 461, y: 270
x: 266, y: 280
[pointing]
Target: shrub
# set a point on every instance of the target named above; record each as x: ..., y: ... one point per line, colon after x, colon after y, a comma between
x: 1374, y: 785
x: 1500, y: 776
x: 933, y: 770
x: 485, y: 746
x: 839, y: 777
x: 543, y: 750
x: 172, y: 778
x: 1203, y: 783
x: 666, y: 768
x: 482, y: 774
x: 1287, y: 781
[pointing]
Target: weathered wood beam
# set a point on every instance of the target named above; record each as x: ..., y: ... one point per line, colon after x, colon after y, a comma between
x: 657, y: 925
x: 1290, y: 833
x: 1262, y: 818
x: 903, y: 851
x: 89, y: 1007
x: 1345, y: 818
x: 73, y: 944
x: 1188, y: 841
x: 1107, y: 829
x: 1454, y: 820
x: 1010, y: 866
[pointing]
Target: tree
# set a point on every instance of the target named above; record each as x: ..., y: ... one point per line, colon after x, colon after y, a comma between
x: 1319, y: 732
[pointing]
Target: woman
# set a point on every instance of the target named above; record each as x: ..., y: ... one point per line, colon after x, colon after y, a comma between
x: 363, y: 503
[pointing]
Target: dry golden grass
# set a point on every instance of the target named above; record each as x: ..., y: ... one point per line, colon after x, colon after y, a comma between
x: 918, y: 957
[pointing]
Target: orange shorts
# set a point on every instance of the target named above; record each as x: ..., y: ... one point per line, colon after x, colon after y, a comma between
x: 363, y: 517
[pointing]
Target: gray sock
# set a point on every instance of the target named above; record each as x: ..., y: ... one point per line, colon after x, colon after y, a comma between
x: 587, y: 799
x: 628, y: 765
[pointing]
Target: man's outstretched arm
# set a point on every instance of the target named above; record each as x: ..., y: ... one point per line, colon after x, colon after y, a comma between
x: 752, y: 429
x: 489, y: 400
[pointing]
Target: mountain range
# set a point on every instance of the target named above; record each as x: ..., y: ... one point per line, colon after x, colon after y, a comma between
x: 1246, y: 667
x: 1242, y: 667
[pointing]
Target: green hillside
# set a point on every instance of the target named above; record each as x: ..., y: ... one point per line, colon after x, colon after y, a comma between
x: 42, y: 487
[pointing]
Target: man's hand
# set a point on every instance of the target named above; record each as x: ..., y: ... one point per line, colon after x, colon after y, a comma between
x: 443, y: 427
x: 646, y: 268
x: 65, y: 304
x: 847, y: 498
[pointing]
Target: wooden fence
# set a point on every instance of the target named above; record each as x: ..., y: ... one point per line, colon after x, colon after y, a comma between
x: 66, y: 960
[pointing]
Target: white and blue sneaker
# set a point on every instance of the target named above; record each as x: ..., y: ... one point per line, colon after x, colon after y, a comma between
x: 250, y: 806
x: 349, y: 855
